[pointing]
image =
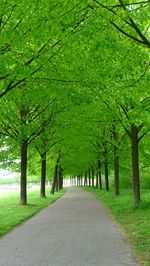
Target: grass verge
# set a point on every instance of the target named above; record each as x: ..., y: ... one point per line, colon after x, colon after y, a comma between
x: 12, y: 214
x: 134, y: 221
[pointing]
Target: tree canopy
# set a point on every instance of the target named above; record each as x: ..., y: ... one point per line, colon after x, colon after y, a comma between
x: 74, y: 85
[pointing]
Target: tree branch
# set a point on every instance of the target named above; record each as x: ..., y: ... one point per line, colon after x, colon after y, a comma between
x: 10, y: 86
x: 143, y: 135
x: 127, y: 34
x: 131, y: 4
x: 134, y: 25
x: 124, y: 110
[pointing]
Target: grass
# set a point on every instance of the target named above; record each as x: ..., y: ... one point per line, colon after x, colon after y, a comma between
x: 134, y: 221
x: 12, y: 214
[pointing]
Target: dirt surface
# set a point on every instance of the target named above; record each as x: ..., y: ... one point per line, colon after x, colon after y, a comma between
x: 75, y: 231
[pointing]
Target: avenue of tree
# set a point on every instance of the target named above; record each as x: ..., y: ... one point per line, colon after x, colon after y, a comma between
x: 74, y: 92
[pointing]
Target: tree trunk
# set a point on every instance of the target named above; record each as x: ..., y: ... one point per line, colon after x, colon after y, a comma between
x: 23, y: 178
x: 85, y: 179
x: 43, y: 175
x: 99, y: 174
x: 55, y: 178
x: 116, y: 162
x: 106, y: 175
x: 116, y: 168
x: 97, y: 180
x: 54, y: 181
x: 89, y: 177
x: 60, y: 178
x: 81, y: 177
x: 135, y: 164
x: 78, y: 181
x: 92, y: 170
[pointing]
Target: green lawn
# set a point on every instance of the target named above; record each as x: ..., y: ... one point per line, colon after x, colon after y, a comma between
x: 135, y: 221
x: 12, y: 214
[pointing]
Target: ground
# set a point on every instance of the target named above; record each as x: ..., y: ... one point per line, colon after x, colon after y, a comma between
x: 75, y: 231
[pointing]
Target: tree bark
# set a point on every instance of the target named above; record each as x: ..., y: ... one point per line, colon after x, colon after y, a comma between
x: 55, y: 178
x: 116, y: 169
x: 89, y: 172
x: 60, y: 178
x: 43, y: 175
x: 85, y: 179
x: 81, y: 177
x: 78, y: 181
x: 106, y: 174
x: 92, y: 170
x: 135, y: 164
x: 96, y: 180
x: 99, y: 174
x: 56, y: 185
x: 116, y: 162
x: 23, y: 178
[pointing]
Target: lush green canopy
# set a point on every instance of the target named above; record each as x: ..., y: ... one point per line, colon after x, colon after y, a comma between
x: 74, y: 83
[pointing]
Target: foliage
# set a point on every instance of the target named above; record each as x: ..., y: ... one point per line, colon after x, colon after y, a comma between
x: 71, y: 72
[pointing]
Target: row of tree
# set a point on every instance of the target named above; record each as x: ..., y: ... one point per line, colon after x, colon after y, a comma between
x: 74, y: 79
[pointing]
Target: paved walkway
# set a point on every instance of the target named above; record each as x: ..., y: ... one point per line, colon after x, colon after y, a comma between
x: 74, y: 231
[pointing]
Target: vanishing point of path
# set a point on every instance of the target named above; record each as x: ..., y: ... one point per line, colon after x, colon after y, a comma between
x: 74, y: 231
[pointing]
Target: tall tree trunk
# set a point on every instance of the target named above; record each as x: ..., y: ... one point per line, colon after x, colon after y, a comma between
x: 81, y: 180
x: 89, y: 177
x: 43, y: 175
x: 116, y: 161
x: 78, y: 181
x: 85, y: 179
x: 96, y: 185
x: 135, y: 164
x: 106, y: 174
x: 54, y: 180
x: 92, y: 170
x: 55, y: 177
x: 57, y: 180
x: 116, y: 168
x: 97, y: 180
x: 99, y: 174
x: 23, y: 178
x: 60, y: 178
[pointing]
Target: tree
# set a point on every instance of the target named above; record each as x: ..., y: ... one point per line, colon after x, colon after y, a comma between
x: 22, y: 124
x: 127, y: 18
x: 99, y: 81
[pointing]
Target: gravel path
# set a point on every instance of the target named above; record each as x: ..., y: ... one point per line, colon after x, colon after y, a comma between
x: 74, y: 231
